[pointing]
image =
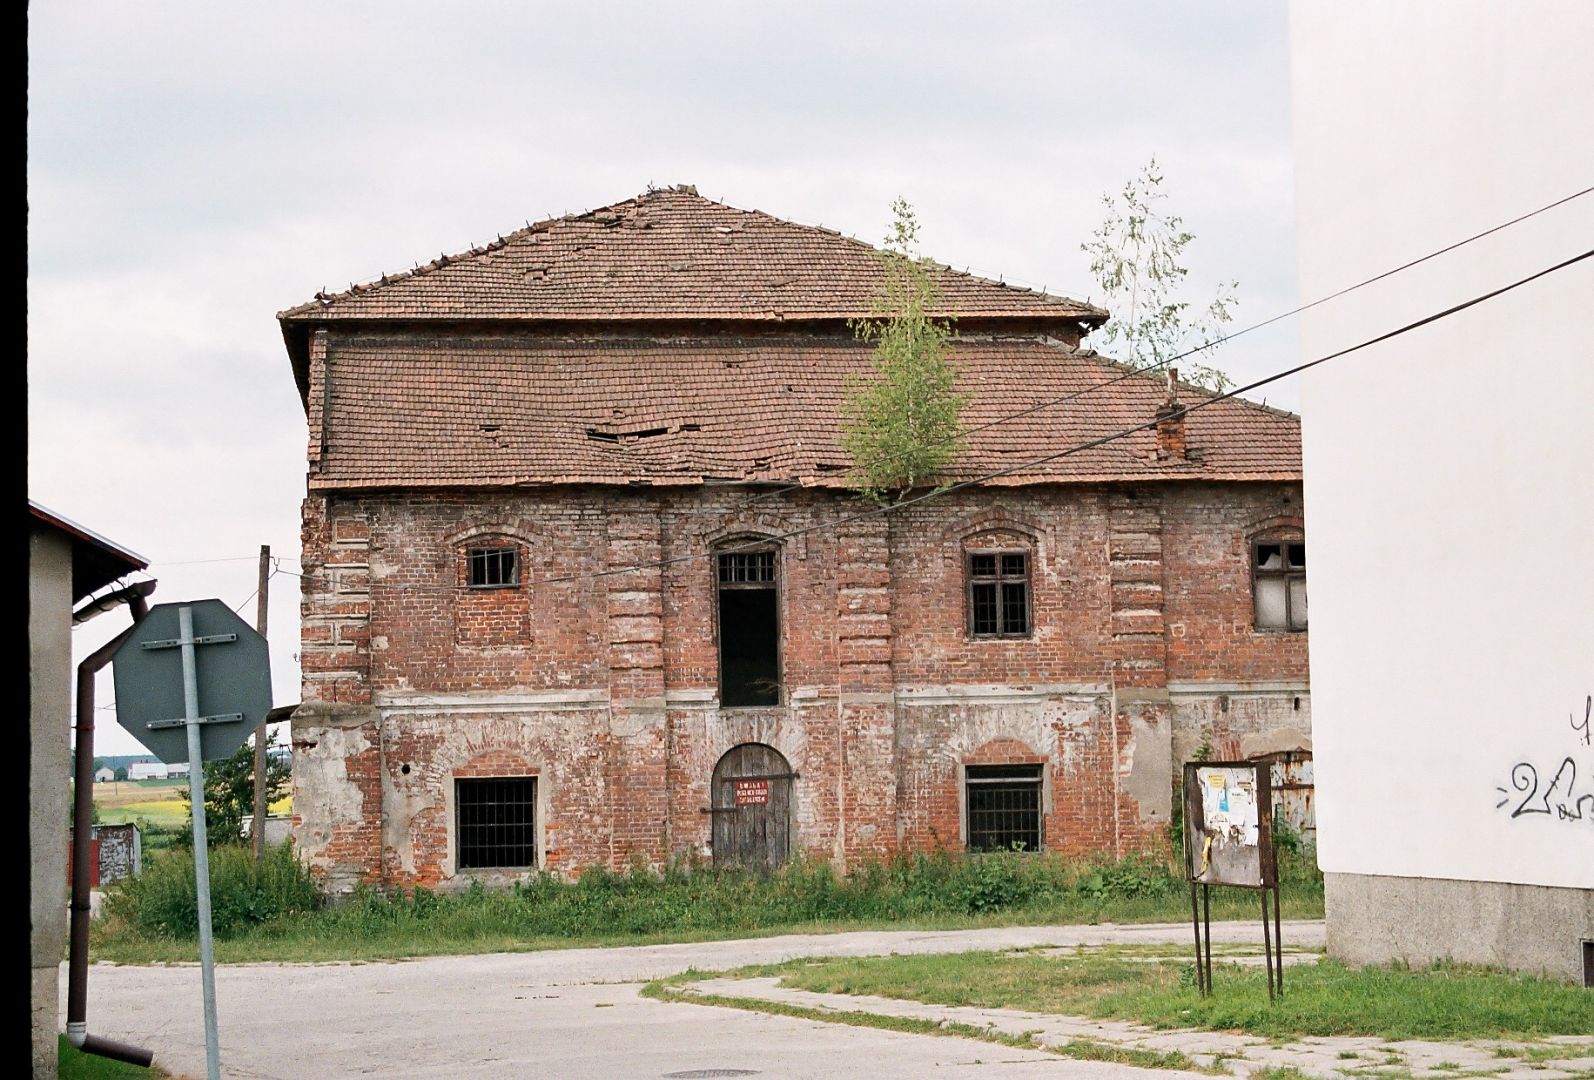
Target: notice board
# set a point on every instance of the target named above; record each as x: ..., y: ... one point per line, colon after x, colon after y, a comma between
x: 1228, y: 824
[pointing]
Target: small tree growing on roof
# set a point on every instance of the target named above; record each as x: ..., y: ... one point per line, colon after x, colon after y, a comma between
x: 900, y: 423
x: 1135, y: 257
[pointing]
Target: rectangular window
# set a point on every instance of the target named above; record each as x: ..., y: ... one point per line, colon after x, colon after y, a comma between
x: 1004, y: 807
x: 1278, y: 583
x: 749, y: 629
x: 496, y: 822
x: 493, y: 568
x: 998, y: 594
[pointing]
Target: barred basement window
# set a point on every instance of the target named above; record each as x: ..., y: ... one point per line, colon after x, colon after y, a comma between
x: 493, y: 567
x: 749, y: 628
x: 496, y: 822
x: 1004, y: 807
x: 1278, y: 584
x: 998, y: 594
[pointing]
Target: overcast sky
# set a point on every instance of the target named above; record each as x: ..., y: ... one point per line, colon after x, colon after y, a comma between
x: 196, y: 167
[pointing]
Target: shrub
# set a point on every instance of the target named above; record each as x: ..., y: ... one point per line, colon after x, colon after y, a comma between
x: 162, y: 901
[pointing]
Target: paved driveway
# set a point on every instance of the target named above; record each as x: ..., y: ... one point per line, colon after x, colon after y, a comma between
x: 568, y: 1013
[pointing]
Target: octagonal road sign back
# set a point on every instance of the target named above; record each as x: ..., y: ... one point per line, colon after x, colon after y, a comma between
x: 233, y: 672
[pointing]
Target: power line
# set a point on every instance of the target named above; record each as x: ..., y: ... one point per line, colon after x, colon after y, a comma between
x: 1149, y: 368
x: 1021, y: 466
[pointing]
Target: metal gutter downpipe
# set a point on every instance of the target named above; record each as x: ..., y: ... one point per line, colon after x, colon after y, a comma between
x: 77, y: 992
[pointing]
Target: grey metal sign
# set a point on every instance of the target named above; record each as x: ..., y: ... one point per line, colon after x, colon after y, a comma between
x: 232, y: 670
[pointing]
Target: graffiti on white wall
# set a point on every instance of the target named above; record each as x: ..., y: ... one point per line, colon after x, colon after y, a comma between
x: 1560, y: 796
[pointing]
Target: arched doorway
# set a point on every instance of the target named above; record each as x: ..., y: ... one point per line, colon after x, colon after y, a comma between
x: 752, y: 808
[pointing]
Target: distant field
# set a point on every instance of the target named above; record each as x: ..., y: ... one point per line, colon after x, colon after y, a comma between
x: 157, y: 803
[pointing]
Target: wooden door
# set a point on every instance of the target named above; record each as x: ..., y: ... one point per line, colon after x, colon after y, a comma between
x: 752, y: 808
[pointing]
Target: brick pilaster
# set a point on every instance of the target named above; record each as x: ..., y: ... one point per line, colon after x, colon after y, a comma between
x: 866, y: 712
x: 638, y: 738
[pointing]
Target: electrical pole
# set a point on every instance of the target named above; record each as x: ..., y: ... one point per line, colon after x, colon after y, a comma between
x: 258, y: 829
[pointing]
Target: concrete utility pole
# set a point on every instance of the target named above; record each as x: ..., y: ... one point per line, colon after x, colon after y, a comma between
x: 258, y: 829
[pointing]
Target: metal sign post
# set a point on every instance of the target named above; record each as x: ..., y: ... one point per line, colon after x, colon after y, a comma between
x: 233, y: 677
x: 196, y: 799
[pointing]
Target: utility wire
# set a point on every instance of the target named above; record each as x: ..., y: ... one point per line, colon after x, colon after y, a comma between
x: 1021, y: 466
x: 1149, y: 368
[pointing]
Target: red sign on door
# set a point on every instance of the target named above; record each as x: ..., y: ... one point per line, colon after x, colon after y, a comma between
x: 752, y: 792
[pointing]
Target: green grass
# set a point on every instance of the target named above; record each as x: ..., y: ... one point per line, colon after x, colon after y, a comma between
x: 1445, y: 1002
x: 76, y: 1065
x: 915, y: 892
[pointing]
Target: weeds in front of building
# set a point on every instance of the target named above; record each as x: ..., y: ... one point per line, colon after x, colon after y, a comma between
x: 274, y: 912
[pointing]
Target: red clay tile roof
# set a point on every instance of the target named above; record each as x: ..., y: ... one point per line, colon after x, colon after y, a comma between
x: 472, y: 411
x: 667, y: 254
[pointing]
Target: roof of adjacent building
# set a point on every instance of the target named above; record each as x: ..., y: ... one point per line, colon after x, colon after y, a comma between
x: 96, y: 561
x: 464, y: 410
x: 667, y: 254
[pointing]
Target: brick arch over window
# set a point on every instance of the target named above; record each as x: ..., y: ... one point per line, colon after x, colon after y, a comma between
x: 968, y: 529
x: 494, y: 763
x: 1004, y: 751
x: 1276, y: 526
x: 495, y: 530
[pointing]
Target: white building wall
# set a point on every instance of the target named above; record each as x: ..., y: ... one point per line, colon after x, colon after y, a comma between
x: 1449, y: 472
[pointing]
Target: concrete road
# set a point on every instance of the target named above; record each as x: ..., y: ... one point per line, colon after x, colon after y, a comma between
x: 568, y: 1013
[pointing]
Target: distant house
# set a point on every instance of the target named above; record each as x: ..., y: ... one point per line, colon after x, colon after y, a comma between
x: 104, y: 774
x: 147, y: 770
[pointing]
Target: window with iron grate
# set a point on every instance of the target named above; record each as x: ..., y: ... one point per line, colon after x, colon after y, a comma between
x: 1278, y: 584
x: 492, y: 567
x: 999, y: 594
x: 1004, y: 807
x: 496, y: 822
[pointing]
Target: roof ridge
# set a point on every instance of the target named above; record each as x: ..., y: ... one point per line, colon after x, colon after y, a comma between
x: 476, y: 251
x: 323, y: 299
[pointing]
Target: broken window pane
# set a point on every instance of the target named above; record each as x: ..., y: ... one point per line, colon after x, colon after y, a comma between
x: 1267, y: 557
x: 1297, y: 553
x: 1271, y: 604
x: 1298, y: 603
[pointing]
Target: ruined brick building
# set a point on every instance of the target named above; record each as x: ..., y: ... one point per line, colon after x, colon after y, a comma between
x: 584, y: 584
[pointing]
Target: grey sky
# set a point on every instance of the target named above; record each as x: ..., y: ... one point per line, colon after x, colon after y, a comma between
x: 196, y: 167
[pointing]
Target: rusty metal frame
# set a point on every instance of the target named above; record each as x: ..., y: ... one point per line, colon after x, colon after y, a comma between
x: 997, y: 580
x: 1284, y: 573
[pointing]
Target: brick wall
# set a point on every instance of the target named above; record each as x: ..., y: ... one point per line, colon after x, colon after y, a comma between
x: 605, y: 688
